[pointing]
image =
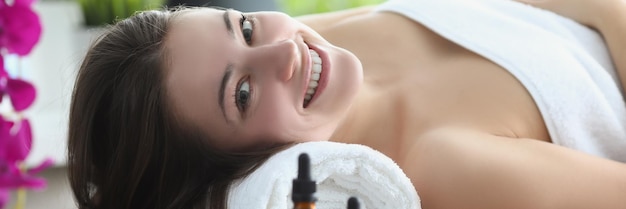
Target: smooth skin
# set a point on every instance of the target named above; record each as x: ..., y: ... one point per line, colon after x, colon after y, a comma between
x: 458, y: 167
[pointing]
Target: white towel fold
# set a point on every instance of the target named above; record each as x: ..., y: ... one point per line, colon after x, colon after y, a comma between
x: 340, y: 170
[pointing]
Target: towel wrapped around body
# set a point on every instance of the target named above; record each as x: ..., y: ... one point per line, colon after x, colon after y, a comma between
x: 340, y: 170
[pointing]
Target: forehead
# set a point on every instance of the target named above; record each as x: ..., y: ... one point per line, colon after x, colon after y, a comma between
x: 198, y: 52
x: 194, y: 27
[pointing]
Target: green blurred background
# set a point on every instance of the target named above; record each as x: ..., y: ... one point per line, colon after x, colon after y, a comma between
x: 301, y: 7
x: 100, y: 12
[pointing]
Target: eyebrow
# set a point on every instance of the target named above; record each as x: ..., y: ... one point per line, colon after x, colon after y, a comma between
x: 229, y: 25
x: 225, y: 78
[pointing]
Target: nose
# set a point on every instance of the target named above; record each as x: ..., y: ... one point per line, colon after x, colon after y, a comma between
x: 279, y: 58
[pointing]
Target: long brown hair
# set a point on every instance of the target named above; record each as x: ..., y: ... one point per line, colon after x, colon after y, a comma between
x: 126, y: 148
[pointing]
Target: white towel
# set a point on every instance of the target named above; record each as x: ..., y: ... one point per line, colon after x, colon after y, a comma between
x: 340, y: 170
x: 565, y: 66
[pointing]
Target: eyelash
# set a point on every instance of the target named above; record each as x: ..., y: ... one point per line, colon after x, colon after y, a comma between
x: 247, y: 27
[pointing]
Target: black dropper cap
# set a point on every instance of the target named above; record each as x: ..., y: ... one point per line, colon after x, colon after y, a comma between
x: 353, y: 203
x: 303, y: 186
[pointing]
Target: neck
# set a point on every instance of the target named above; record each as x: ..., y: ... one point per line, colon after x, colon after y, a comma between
x: 374, y: 120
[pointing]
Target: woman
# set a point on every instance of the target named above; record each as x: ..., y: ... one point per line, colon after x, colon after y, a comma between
x: 170, y: 107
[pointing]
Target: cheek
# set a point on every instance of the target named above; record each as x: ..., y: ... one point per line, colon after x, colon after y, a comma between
x: 275, y: 117
x: 344, y: 81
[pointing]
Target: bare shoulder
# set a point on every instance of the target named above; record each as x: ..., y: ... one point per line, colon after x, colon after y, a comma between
x: 463, y: 168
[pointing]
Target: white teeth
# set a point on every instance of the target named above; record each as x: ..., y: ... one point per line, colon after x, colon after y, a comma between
x: 315, y: 76
x: 316, y: 70
x: 317, y: 60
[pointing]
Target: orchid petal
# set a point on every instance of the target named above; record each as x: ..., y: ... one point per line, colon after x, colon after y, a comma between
x: 19, y: 143
x: 17, y: 181
x: 45, y: 164
x: 3, y: 76
x: 19, y: 35
x: 5, y: 137
x: 2, y: 72
x: 9, y: 168
x: 4, y: 197
x: 21, y: 93
x: 12, y: 177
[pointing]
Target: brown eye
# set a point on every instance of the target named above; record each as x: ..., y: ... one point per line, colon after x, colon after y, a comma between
x: 246, y: 28
x: 242, y: 96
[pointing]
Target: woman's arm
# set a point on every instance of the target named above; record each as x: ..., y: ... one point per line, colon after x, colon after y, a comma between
x: 323, y: 20
x: 457, y: 168
x: 606, y: 16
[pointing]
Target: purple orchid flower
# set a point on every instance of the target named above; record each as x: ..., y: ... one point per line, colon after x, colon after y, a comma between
x: 12, y: 178
x: 21, y: 93
x: 20, y: 28
x: 15, y: 144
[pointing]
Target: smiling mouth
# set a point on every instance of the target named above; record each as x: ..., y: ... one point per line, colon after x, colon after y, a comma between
x: 316, y: 71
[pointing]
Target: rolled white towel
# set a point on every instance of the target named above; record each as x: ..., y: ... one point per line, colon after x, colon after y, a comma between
x: 340, y: 170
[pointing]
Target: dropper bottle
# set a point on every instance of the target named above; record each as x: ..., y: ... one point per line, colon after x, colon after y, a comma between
x: 303, y: 187
x: 353, y: 203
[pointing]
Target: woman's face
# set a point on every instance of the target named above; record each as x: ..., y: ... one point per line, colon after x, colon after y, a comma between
x: 257, y: 79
